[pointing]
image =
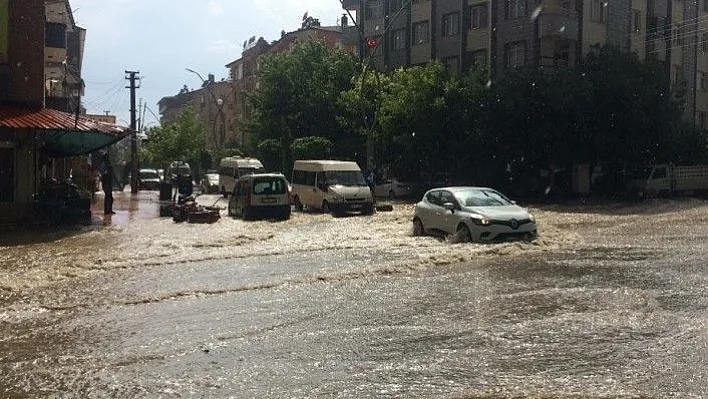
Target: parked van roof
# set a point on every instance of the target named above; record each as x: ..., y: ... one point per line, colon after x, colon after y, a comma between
x: 317, y: 165
x: 240, y: 161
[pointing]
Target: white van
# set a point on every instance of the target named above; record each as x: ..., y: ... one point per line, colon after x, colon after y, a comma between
x: 260, y: 195
x: 331, y: 186
x: 232, y: 168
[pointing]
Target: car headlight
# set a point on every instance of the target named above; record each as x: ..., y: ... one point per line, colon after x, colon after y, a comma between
x: 532, y: 218
x: 481, y: 221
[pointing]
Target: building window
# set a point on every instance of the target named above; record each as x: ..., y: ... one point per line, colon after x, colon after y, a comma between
x: 678, y: 73
x: 599, y: 11
x: 704, y: 42
x: 451, y: 24
x: 703, y: 81
x: 478, y: 16
x: 399, y: 39
x: 515, y: 55
x: 702, y: 119
x: 478, y: 58
x: 421, y: 32
x: 7, y: 174
x: 396, y: 5
x: 374, y: 9
x: 705, y: 5
x: 55, y: 35
x: 515, y: 9
x: 637, y: 20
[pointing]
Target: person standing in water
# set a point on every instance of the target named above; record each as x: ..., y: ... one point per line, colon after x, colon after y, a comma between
x: 107, y: 177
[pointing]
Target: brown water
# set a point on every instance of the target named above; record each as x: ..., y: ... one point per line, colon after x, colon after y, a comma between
x: 609, y: 302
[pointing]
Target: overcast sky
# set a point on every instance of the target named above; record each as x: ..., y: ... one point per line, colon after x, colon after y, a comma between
x: 160, y: 38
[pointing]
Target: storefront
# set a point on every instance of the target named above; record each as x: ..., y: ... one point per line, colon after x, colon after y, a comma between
x: 32, y: 142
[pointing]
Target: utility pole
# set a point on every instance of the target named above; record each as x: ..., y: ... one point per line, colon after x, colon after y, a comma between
x: 133, y: 78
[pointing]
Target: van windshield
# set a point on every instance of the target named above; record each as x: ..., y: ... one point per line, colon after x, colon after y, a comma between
x: 344, y: 178
x: 269, y: 186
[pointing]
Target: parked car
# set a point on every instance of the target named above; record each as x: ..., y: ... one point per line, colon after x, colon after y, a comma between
x: 148, y: 179
x: 260, y: 195
x: 473, y: 213
x: 210, y: 183
x: 394, y: 188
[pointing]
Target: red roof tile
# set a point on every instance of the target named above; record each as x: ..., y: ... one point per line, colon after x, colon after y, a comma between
x: 17, y: 117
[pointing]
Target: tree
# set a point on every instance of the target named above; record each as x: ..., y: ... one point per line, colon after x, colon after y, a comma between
x: 311, y: 147
x: 183, y: 140
x: 299, y: 96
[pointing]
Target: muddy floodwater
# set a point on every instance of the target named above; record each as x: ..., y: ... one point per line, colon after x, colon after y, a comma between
x: 610, y: 302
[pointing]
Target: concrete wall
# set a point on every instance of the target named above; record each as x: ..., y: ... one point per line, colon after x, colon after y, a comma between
x: 451, y: 46
x: 25, y: 173
x: 421, y: 52
x: 512, y: 30
x: 26, y: 52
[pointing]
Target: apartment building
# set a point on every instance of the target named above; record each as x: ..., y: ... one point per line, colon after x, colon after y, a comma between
x: 37, y: 143
x: 63, y: 58
x: 504, y: 34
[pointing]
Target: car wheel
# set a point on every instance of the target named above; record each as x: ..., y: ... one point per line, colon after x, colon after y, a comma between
x: 418, y: 229
x: 224, y: 193
x: 230, y: 210
x: 463, y: 233
x: 391, y: 195
x: 325, y: 207
x: 298, y: 204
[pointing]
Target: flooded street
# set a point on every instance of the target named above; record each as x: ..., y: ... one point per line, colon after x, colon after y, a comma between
x: 610, y: 302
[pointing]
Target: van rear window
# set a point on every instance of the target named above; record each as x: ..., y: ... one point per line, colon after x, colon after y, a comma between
x: 269, y: 186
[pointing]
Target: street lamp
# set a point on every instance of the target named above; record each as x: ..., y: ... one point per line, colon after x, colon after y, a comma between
x: 219, y: 103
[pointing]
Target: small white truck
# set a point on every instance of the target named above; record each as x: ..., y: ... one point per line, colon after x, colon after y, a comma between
x: 652, y: 181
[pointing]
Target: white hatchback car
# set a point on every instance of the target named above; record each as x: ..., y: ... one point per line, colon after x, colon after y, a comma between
x: 474, y: 214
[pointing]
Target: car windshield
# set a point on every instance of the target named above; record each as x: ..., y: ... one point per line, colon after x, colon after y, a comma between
x: 477, y: 197
x: 269, y: 186
x: 212, y: 177
x: 149, y: 174
x: 344, y: 178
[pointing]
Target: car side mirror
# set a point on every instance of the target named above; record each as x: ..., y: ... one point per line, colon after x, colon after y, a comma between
x: 449, y: 206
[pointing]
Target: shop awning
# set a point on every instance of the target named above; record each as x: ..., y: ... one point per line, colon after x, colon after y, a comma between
x: 64, y: 134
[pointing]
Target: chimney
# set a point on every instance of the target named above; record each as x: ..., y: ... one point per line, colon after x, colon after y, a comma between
x: 211, y: 78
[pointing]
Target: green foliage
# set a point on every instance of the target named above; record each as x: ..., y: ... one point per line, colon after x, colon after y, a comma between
x: 311, y: 147
x: 270, y: 153
x: 299, y: 96
x: 612, y: 109
x: 183, y: 140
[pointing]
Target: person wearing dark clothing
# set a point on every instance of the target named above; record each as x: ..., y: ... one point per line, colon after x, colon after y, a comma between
x: 107, y: 178
x: 185, y: 188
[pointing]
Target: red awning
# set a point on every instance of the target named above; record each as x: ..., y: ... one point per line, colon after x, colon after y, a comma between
x: 63, y: 134
x: 49, y: 119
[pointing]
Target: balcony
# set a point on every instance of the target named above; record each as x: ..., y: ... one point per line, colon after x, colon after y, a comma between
x: 351, y: 4
x: 558, y: 22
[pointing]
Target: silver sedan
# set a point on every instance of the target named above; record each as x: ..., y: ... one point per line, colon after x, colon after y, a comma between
x: 473, y: 214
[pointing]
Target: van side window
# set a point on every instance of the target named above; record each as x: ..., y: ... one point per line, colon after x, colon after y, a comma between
x: 310, y: 181
x: 300, y: 177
